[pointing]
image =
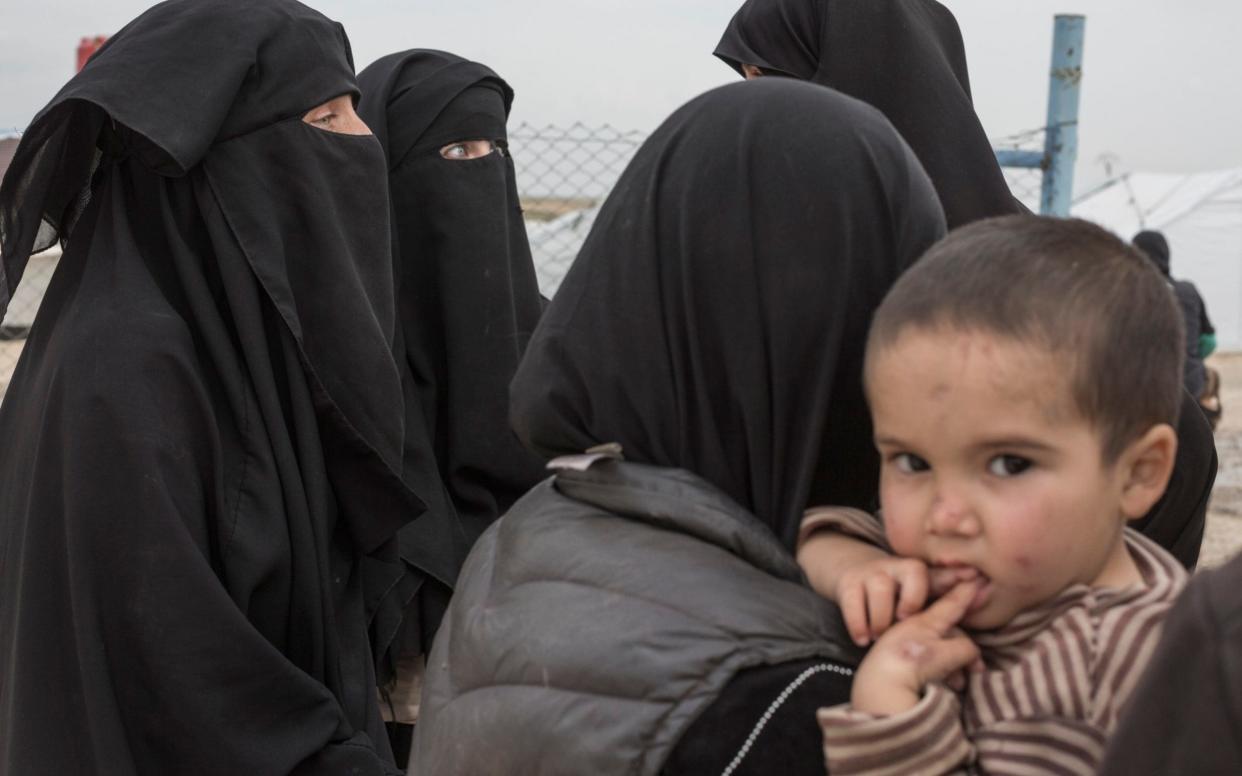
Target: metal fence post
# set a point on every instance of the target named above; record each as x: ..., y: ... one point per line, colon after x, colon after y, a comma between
x: 1061, y: 141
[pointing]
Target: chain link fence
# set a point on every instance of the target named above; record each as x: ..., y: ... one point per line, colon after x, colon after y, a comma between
x: 1026, y: 183
x: 563, y: 173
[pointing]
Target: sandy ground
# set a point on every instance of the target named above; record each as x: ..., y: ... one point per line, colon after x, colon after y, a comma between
x: 1223, y: 537
x: 9, y: 352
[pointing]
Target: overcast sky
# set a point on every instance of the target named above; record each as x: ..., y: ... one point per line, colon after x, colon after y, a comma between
x: 1161, y: 87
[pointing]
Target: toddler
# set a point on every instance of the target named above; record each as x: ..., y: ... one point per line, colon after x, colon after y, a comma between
x: 1024, y: 384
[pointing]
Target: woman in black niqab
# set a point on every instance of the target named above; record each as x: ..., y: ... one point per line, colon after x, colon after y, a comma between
x: 201, y: 469
x: 713, y: 327
x: 467, y: 302
x: 904, y: 57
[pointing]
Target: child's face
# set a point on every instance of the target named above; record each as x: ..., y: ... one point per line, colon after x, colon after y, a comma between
x: 987, y: 463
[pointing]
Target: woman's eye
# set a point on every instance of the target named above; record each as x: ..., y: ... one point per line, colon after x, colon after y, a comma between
x: 1008, y: 465
x: 909, y: 463
x: 468, y: 149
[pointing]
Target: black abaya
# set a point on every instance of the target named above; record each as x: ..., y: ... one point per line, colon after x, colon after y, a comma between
x: 467, y: 302
x: 197, y: 492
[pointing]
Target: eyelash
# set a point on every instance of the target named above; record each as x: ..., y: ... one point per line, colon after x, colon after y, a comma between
x: 1024, y: 464
x: 909, y: 463
x: 905, y: 463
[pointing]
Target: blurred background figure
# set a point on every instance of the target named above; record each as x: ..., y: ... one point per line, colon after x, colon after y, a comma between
x: 1202, y: 382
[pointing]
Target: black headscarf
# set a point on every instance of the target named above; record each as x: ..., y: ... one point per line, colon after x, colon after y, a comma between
x: 1155, y: 247
x: 467, y: 302
x: 904, y: 57
x: 203, y: 435
x: 716, y: 317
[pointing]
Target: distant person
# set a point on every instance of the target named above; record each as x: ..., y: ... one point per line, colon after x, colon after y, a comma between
x: 1201, y: 381
x: 904, y: 57
x: 1000, y: 373
x: 200, y: 474
x: 467, y: 303
x: 697, y: 382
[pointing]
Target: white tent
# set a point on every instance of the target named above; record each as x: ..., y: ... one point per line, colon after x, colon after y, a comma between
x: 1201, y: 215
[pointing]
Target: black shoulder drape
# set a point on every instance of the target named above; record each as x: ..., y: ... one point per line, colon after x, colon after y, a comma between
x: 716, y: 317
x: 467, y: 302
x: 904, y: 57
x: 193, y: 466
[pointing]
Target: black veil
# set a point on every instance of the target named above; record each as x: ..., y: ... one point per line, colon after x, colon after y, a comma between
x: 467, y: 302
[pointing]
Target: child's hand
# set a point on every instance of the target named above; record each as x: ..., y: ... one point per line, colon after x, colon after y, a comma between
x: 875, y: 594
x: 927, y: 647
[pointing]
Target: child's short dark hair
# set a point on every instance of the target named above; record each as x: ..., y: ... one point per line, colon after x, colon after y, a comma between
x: 1068, y: 286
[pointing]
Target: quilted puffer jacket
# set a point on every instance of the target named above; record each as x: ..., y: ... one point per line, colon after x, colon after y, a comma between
x: 599, y: 618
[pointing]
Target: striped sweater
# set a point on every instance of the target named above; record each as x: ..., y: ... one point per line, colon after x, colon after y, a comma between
x: 1055, y: 679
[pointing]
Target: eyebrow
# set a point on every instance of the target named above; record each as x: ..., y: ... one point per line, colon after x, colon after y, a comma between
x: 1000, y: 443
x: 1014, y: 443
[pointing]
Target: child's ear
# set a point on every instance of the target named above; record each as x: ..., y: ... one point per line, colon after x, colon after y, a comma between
x: 1145, y: 467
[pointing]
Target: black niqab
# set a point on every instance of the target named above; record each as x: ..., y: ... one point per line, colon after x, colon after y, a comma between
x: 193, y: 468
x: 716, y: 317
x: 904, y: 57
x: 467, y: 302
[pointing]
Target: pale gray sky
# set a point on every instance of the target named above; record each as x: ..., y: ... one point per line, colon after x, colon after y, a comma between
x: 1160, y: 91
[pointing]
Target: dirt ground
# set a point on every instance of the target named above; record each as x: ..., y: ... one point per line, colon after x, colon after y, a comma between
x: 9, y: 351
x: 1223, y: 537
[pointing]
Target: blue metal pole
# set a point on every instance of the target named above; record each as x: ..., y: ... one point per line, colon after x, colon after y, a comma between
x: 1012, y: 157
x: 1061, y: 141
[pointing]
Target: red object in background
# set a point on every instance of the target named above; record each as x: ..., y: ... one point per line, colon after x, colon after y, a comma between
x: 87, y: 49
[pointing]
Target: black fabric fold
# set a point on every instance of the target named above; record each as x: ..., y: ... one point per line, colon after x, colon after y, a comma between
x: 716, y: 317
